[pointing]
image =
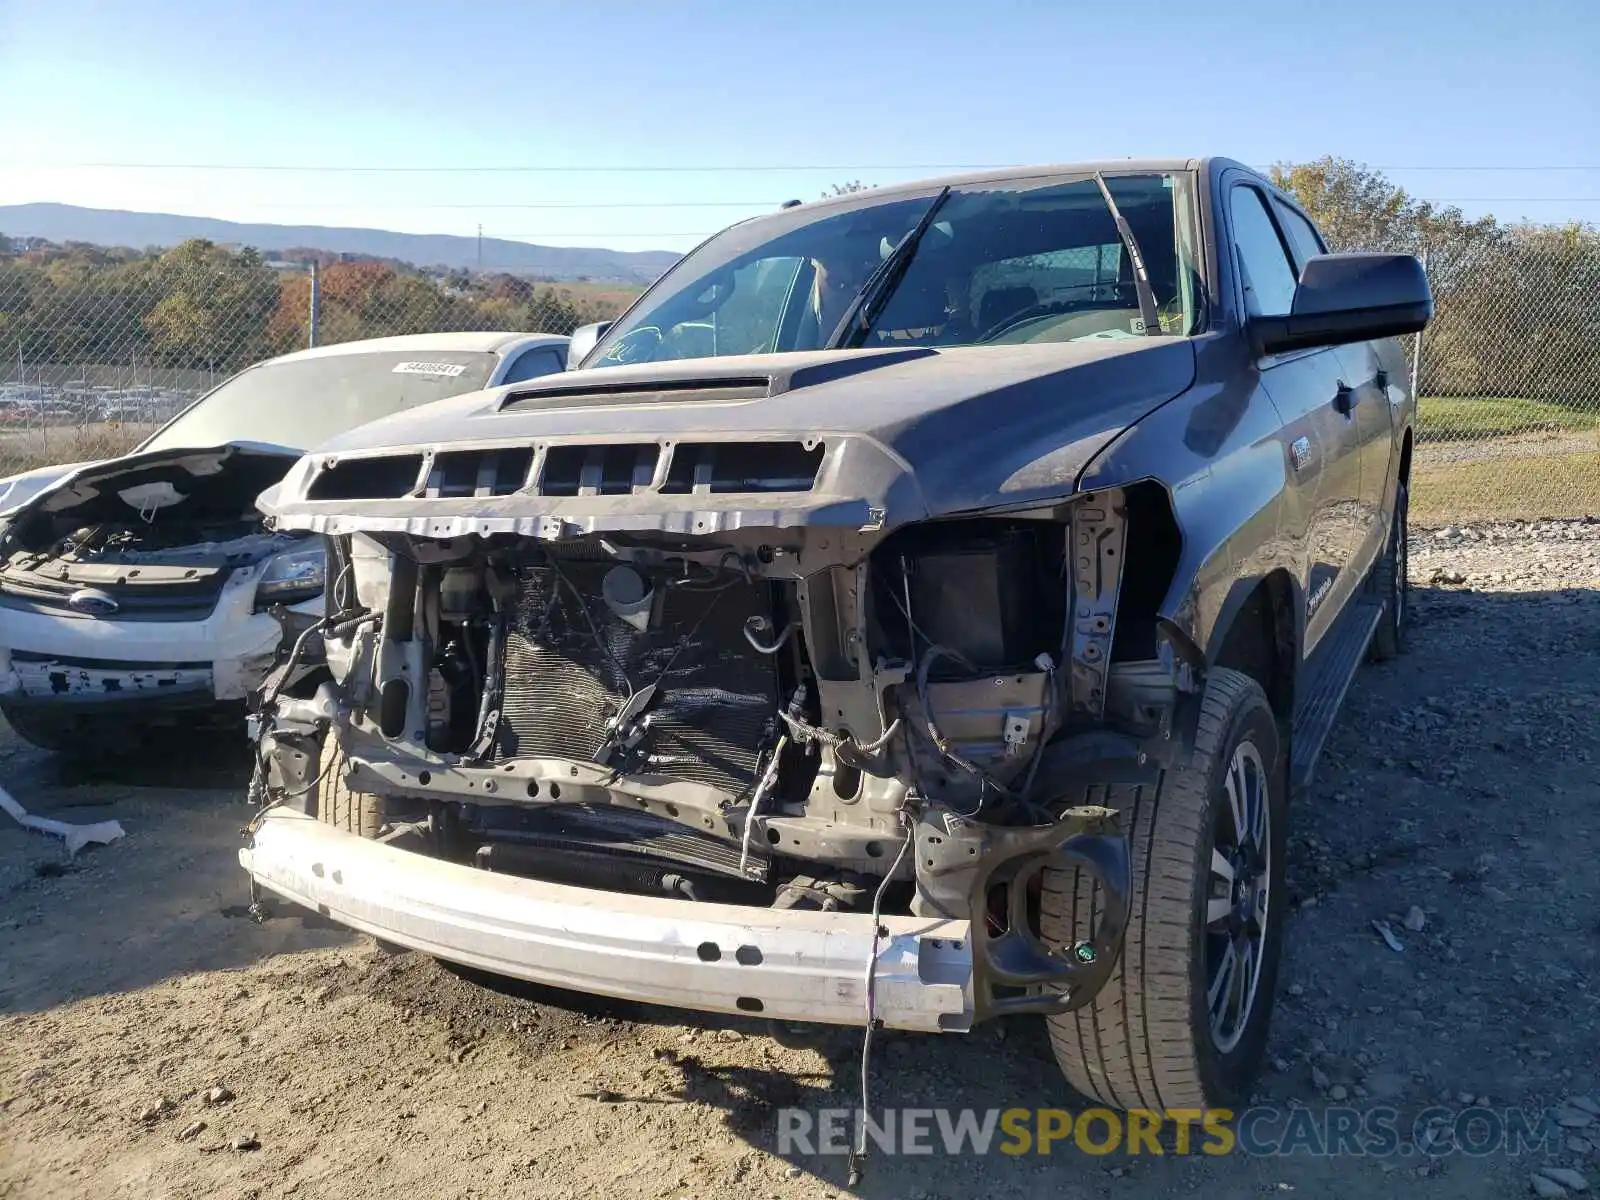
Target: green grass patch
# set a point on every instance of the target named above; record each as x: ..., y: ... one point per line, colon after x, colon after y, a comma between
x: 1470, y: 418
x: 1506, y: 489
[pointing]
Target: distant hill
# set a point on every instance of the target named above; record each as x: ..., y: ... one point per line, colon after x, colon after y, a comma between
x: 113, y: 227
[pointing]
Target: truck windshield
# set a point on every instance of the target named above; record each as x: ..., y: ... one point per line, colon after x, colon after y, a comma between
x: 304, y: 402
x: 1014, y: 261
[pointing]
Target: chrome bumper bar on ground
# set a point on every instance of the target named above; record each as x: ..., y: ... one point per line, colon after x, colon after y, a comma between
x: 786, y: 964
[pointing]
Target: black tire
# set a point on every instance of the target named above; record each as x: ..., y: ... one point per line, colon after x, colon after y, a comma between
x: 84, y: 736
x: 1390, y: 585
x: 354, y: 812
x: 1146, y: 1040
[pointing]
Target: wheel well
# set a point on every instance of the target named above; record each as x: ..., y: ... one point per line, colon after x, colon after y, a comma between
x: 1260, y: 643
x: 1147, y: 575
x: 1405, y: 459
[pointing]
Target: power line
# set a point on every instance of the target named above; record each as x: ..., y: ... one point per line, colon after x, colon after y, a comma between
x: 581, y: 233
x: 678, y: 168
x: 726, y: 168
x: 1439, y: 167
x: 564, y: 205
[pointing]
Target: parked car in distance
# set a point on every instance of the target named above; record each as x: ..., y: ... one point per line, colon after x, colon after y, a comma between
x: 143, y: 590
x: 944, y: 648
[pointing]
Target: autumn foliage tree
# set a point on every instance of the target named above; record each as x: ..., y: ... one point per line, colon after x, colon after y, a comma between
x: 202, y: 306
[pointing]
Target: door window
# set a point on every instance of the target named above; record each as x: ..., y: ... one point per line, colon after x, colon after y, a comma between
x: 1264, y: 266
x: 1302, y: 234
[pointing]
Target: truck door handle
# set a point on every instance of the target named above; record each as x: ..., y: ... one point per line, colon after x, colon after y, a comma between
x: 1345, y: 398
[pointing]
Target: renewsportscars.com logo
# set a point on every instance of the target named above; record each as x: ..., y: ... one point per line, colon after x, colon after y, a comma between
x: 1263, y: 1131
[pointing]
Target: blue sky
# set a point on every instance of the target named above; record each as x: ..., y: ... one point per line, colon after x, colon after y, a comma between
x: 879, y: 91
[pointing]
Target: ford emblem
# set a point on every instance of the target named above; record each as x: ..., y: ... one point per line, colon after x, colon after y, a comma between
x: 92, y: 603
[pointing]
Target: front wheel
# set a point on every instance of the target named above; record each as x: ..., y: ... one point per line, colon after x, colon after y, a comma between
x: 1182, y: 1022
x: 354, y: 812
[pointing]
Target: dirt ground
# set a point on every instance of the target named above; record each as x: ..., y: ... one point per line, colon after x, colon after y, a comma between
x: 1461, y: 782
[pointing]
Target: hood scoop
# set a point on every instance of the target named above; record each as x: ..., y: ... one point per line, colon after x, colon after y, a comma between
x: 687, y: 381
x: 643, y: 391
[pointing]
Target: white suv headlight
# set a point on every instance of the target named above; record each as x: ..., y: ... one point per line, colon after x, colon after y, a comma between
x: 292, y: 576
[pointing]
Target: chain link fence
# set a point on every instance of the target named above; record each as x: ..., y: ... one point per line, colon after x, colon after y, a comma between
x: 1507, y: 375
x: 97, y: 347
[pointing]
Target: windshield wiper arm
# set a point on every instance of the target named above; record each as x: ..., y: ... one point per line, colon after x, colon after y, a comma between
x: 1141, y: 278
x: 880, y: 285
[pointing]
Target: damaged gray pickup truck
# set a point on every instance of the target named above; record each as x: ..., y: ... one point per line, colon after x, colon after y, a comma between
x: 916, y: 610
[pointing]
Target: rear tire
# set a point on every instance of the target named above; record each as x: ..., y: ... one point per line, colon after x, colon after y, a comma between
x: 1390, y: 585
x: 354, y: 812
x: 1170, y: 1029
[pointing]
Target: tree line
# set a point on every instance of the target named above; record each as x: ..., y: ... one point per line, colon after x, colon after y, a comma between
x: 207, y: 307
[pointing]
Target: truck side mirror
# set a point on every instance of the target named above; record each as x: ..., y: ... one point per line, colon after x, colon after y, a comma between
x: 1345, y: 298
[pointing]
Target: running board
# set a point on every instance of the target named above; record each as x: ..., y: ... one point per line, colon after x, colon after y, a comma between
x: 1337, y: 660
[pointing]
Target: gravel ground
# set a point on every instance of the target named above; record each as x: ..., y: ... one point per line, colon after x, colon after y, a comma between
x: 154, y: 1043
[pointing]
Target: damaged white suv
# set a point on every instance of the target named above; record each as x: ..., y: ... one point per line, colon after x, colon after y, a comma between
x: 142, y: 590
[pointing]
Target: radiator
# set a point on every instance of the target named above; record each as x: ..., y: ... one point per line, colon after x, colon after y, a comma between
x: 714, y: 710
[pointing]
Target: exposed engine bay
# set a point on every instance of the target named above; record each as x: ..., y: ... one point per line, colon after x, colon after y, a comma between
x: 906, y: 720
x: 157, y: 538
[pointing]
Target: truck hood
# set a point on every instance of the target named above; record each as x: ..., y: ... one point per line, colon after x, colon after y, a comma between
x: 198, y: 483
x: 901, y: 435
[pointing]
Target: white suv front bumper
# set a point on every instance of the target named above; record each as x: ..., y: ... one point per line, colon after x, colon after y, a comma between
x: 785, y: 964
x: 63, y: 659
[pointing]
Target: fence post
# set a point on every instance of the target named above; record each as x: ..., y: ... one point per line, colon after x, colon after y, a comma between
x: 1416, y: 344
x: 311, y: 321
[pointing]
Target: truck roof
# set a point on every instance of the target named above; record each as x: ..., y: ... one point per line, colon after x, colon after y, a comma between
x: 1110, y: 166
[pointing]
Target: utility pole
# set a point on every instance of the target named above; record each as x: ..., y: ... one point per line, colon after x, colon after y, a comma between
x: 480, y: 247
x: 311, y: 318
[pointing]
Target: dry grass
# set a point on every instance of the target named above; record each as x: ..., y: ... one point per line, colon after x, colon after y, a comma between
x: 29, y: 449
x: 1562, y: 485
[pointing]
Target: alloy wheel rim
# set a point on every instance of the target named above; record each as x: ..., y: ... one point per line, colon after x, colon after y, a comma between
x: 1238, y: 898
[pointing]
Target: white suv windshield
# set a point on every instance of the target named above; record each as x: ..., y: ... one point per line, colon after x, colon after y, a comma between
x: 1021, y: 260
x: 304, y: 402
